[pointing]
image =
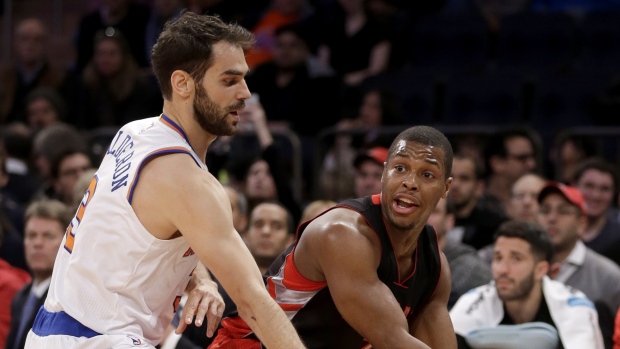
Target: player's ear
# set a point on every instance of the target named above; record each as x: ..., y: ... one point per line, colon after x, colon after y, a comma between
x: 447, y: 188
x: 182, y: 83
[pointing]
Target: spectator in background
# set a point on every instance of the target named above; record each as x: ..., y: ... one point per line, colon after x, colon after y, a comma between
x: 12, y: 279
x: 562, y: 215
x: 597, y: 180
x: 366, y: 168
x: 52, y: 141
x: 115, y: 92
x: 239, y: 205
x: 378, y: 108
x: 46, y: 222
x: 337, y: 169
x: 315, y: 208
x: 11, y: 225
x: 466, y: 268
x: 160, y: 12
x: 284, y: 85
x: 509, y: 154
x: 522, y: 294
x: 523, y: 204
x: 30, y: 69
x: 11, y: 211
x: 22, y: 181
x: 355, y: 44
x: 475, y: 224
x: 44, y: 106
x: 126, y: 16
x: 368, y: 172
x: 271, y: 230
x: 265, y: 178
x: 279, y: 13
x: 66, y: 170
x: 568, y: 152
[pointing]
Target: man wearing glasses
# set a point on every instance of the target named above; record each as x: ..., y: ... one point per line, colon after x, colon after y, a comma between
x: 562, y: 214
x: 508, y: 155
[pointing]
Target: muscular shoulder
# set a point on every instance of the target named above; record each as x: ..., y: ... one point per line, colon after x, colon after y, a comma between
x: 341, y: 225
x: 178, y: 171
x: 339, y: 233
x: 171, y: 186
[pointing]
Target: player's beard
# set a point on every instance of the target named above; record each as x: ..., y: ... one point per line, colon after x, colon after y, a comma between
x: 211, y: 117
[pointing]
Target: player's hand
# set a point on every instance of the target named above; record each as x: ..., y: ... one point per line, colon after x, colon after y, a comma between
x: 203, y: 299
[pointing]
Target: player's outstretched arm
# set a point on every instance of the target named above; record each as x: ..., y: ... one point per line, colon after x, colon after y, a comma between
x: 348, y: 260
x: 193, y: 202
x: 433, y: 326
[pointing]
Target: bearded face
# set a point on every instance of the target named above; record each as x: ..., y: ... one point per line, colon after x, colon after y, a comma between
x: 512, y: 289
x: 213, y: 118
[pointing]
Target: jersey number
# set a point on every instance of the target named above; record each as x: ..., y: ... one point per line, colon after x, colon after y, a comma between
x: 75, y: 222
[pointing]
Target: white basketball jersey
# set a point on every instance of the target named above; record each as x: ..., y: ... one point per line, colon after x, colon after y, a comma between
x: 110, y: 273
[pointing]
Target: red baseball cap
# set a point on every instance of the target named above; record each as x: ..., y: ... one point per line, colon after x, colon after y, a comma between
x: 376, y: 154
x: 572, y: 194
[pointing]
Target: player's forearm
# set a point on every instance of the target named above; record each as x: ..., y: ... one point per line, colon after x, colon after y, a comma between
x: 270, y: 324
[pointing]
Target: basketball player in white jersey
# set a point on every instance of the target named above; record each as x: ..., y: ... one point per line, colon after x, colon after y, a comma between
x: 153, y: 211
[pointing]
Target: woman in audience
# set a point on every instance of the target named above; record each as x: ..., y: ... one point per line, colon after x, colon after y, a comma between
x: 115, y: 91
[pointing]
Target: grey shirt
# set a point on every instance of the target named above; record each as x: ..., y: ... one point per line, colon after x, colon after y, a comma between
x: 596, y: 276
x: 467, y: 268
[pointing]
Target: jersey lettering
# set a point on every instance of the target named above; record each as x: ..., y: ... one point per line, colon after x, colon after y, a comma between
x: 123, y: 163
x: 75, y: 222
x: 189, y: 252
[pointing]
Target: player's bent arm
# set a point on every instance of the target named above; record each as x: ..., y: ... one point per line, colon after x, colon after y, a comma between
x: 365, y: 302
x: 195, y: 203
x: 433, y: 325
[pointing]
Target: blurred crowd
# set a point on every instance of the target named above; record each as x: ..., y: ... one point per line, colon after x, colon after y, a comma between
x: 333, y: 82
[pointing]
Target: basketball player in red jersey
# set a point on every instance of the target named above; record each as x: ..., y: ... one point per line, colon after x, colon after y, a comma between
x: 368, y: 273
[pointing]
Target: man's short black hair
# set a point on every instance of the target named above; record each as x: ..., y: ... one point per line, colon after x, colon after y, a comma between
x: 428, y: 136
x: 534, y: 234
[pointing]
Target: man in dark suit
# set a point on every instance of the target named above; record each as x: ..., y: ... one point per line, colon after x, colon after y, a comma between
x: 45, y: 224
